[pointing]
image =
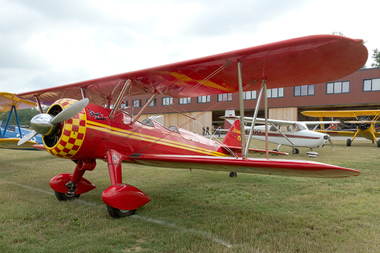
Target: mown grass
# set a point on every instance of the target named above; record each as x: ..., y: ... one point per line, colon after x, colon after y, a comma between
x: 197, y: 211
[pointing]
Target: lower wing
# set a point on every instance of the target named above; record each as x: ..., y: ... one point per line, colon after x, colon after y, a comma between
x: 253, y: 150
x: 11, y: 143
x: 337, y: 133
x: 256, y: 166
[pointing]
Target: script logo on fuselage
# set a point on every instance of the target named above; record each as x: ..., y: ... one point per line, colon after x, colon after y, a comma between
x: 97, y: 115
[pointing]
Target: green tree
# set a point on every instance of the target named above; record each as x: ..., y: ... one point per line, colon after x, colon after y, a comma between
x: 376, y: 58
x: 338, y: 33
x: 24, y: 116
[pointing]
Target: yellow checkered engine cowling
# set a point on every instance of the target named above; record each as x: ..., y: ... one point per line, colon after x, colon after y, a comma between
x: 73, y: 132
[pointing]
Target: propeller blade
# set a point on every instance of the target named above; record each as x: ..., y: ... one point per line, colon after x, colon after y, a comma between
x: 27, y: 137
x: 332, y: 144
x: 70, y: 111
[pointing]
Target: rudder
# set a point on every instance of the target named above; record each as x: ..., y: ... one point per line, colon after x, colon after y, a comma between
x: 233, y: 136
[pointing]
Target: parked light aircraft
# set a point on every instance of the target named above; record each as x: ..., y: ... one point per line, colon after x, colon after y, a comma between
x: 88, y: 129
x: 291, y: 133
x: 10, y: 135
x: 365, y: 121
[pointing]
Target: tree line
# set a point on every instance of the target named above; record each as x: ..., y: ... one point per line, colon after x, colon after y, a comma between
x: 24, y: 116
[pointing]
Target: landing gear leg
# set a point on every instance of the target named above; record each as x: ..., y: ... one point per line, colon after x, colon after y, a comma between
x: 349, y: 141
x: 121, y: 199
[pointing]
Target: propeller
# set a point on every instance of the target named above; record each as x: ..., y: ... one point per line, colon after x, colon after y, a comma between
x: 70, y: 111
x: 331, y: 143
x: 46, y: 124
x: 27, y: 137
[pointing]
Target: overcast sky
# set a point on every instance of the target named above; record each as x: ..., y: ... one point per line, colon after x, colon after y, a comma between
x: 45, y: 43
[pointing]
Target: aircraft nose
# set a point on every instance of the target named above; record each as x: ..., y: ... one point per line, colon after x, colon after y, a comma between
x: 41, y: 123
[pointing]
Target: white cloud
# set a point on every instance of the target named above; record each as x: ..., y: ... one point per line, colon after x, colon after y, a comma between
x: 48, y: 43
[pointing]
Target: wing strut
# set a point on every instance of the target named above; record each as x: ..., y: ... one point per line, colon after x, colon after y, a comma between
x: 241, y: 103
x: 119, y: 99
x: 83, y: 92
x: 9, y: 117
x: 143, y: 109
x: 266, y: 119
x: 39, y: 103
x: 263, y: 83
x: 283, y: 135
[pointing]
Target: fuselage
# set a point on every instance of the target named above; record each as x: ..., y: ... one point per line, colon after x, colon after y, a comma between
x: 91, y: 133
x: 368, y: 133
x: 297, y: 133
x: 14, y: 132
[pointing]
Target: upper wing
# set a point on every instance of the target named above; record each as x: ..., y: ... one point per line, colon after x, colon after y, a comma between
x: 299, y: 61
x: 341, y: 114
x: 9, y: 99
x: 255, y: 166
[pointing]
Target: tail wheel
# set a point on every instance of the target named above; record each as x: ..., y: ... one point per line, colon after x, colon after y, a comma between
x: 64, y: 197
x: 349, y: 142
x: 233, y: 174
x: 117, y: 213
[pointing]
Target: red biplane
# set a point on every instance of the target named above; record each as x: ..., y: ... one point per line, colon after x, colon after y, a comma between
x: 89, y: 129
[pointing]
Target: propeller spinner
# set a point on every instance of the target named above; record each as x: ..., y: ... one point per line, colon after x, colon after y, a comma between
x: 46, y: 124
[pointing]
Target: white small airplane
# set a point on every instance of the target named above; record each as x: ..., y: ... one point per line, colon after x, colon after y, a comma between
x: 290, y: 133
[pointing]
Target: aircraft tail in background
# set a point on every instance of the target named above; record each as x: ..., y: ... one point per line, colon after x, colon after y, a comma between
x: 233, y: 136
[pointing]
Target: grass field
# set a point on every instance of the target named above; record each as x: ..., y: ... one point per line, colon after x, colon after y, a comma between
x: 196, y: 211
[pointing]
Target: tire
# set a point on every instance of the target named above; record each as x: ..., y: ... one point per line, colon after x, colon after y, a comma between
x: 117, y: 213
x: 233, y: 174
x: 64, y: 197
x: 295, y: 151
x: 378, y: 143
x: 349, y: 142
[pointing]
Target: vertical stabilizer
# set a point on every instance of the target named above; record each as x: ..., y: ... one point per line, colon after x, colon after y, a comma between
x: 233, y: 136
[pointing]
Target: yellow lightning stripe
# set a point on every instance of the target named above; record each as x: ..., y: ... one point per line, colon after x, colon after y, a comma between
x: 185, y: 78
x: 148, y: 138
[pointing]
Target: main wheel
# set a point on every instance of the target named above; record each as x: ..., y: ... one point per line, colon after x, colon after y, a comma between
x: 117, y: 213
x: 349, y: 142
x: 378, y: 143
x: 63, y: 197
x: 233, y: 174
x: 296, y: 151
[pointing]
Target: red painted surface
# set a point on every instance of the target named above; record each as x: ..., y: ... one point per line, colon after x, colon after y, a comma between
x: 299, y: 61
x: 117, y: 141
x: 124, y: 197
x: 91, y: 134
x: 58, y: 182
x: 256, y: 166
